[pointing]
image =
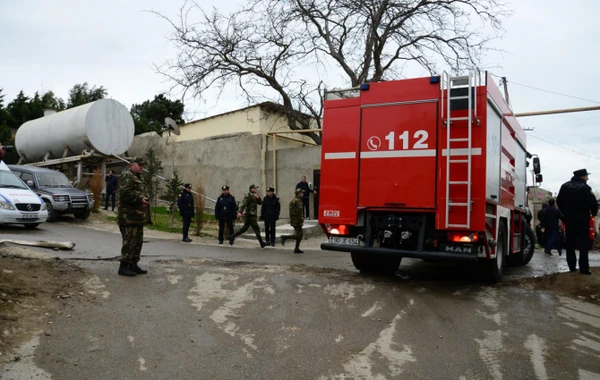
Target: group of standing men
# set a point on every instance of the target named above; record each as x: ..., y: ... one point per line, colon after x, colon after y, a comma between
x: 226, y: 212
x: 134, y: 208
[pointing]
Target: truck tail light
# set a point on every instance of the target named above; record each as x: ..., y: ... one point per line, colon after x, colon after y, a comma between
x: 463, y: 237
x: 338, y: 229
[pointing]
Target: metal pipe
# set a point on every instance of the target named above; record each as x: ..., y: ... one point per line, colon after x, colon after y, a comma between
x: 551, y: 112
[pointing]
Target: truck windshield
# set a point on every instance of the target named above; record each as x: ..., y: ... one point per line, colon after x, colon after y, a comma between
x: 8, y: 180
x: 53, y: 180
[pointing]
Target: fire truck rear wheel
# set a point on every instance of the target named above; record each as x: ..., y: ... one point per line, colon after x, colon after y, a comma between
x: 375, y: 263
x: 493, y: 269
x: 522, y: 259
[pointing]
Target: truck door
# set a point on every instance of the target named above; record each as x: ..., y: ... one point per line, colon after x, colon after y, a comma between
x: 398, y: 155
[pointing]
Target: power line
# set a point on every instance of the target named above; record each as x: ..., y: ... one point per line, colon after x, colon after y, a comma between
x: 562, y: 147
x: 548, y: 91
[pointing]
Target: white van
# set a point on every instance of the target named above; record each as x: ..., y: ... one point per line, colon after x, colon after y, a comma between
x: 18, y: 204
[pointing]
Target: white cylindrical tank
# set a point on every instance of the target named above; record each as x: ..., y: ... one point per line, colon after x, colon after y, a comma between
x: 104, y: 126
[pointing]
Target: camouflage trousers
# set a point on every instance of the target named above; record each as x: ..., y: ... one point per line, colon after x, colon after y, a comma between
x: 250, y: 222
x: 133, y: 238
x: 298, y: 234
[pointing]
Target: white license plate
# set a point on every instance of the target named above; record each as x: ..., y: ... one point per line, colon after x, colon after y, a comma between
x: 78, y: 206
x: 29, y: 216
x: 343, y: 240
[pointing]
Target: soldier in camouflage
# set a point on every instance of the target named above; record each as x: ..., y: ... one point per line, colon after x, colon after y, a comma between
x: 296, y: 220
x: 132, y: 214
x: 249, y: 209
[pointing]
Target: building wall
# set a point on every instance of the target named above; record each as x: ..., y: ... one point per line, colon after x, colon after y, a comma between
x: 237, y: 160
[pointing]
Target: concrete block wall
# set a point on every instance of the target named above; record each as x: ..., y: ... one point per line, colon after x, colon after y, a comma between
x: 237, y: 160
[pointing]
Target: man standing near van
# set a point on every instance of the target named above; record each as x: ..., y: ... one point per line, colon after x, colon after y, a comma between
x: 131, y: 216
x: 112, y: 183
x: 2, y: 154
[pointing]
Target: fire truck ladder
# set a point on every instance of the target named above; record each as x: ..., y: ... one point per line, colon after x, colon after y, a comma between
x: 448, y: 84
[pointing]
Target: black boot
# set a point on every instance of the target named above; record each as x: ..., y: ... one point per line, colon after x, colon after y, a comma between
x: 124, y: 270
x: 297, y: 249
x: 262, y: 243
x: 284, y: 238
x: 134, y: 267
x: 231, y: 239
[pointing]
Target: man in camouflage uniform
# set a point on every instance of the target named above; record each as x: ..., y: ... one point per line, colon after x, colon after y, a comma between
x: 296, y: 220
x: 249, y: 209
x: 133, y: 212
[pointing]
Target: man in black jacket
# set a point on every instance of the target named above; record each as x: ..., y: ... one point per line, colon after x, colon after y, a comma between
x: 186, y: 210
x: 306, y: 190
x: 269, y: 213
x: 549, y: 223
x: 112, y: 183
x: 577, y: 202
x: 225, y: 212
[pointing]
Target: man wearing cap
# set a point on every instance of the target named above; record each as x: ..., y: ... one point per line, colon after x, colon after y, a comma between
x: 296, y: 220
x: 185, y: 202
x: 132, y: 213
x: 225, y: 212
x: 577, y: 202
x: 269, y: 213
x: 249, y: 209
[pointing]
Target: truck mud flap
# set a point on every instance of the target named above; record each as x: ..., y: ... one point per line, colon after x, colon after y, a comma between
x: 449, y: 256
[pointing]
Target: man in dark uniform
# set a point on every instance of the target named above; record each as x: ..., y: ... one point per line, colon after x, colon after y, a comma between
x: 296, y: 220
x: 249, y: 209
x: 133, y: 212
x: 225, y: 212
x: 306, y: 190
x: 185, y: 202
x: 549, y: 222
x: 577, y: 202
x: 112, y: 183
x: 269, y: 213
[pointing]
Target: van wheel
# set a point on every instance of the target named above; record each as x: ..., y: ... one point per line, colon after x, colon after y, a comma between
x: 493, y: 269
x: 370, y: 263
x: 31, y: 226
x: 52, y: 215
x: 523, y: 258
x: 83, y: 215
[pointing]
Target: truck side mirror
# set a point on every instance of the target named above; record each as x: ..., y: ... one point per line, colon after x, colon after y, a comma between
x: 539, y: 178
x: 30, y: 183
x: 537, y: 169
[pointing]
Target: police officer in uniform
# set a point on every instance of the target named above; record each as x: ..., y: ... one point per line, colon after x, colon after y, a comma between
x: 296, y: 220
x: 577, y: 202
x: 269, y: 213
x: 133, y: 212
x: 249, y: 209
x: 225, y: 212
x: 185, y: 202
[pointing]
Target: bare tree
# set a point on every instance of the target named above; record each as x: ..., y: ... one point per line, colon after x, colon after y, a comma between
x: 260, y: 50
x: 372, y: 40
x: 281, y: 50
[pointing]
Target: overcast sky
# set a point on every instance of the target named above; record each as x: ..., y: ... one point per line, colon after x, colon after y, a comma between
x: 52, y: 45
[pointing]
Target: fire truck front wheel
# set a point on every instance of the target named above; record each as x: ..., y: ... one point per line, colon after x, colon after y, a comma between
x: 493, y: 269
x: 369, y: 263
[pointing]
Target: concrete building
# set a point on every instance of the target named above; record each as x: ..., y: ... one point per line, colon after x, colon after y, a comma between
x: 238, y: 149
x: 263, y: 118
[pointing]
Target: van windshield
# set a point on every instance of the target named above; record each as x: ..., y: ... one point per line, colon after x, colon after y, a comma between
x: 53, y: 180
x: 8, y: 180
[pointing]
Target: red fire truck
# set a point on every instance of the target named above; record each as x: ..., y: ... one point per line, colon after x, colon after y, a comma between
x: 430, y: 168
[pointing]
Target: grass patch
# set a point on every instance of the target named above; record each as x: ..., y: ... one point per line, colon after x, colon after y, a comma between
x: 163, y: 223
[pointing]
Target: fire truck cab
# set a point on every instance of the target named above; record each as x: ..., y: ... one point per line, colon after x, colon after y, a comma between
x: 430, y: 168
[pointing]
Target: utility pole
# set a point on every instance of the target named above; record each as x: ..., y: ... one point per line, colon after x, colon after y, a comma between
x: 505, y: 85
